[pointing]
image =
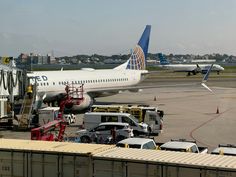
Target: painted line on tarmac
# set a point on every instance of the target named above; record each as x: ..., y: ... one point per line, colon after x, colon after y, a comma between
x: 204, y: 123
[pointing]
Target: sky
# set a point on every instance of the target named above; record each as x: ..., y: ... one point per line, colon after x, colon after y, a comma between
x: 111, y: 27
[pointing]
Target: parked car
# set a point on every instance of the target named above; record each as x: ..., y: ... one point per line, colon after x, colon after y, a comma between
x: 139, y: 143
x: 228, y: 149
x: 92, y: 119
x: 183, y: 145
x: 104, y: 131
x: 69, y: 118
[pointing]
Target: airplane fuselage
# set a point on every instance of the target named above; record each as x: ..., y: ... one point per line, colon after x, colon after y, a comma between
x: 191, y: 67
x: 54, y: 82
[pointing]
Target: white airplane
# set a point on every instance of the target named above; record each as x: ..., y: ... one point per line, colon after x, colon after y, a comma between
x: 96, y: 83
x: 189, y: 68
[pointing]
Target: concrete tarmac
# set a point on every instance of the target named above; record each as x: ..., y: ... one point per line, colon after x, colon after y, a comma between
x: 190, y: 111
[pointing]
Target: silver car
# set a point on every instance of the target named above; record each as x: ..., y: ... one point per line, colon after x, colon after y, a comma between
x: 105, y: 132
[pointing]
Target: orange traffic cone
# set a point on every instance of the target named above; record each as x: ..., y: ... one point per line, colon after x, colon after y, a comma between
x: 217, y: 110
x: 155, y: 98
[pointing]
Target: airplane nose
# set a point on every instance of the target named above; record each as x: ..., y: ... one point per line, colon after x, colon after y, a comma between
x: 222, y: 68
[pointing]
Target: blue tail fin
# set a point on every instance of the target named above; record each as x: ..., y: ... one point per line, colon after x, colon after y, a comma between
x: 137, y: 60
x: 163, y: 60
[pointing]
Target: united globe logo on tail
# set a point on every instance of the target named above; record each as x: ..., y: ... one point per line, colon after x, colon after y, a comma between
x: 137, y: 59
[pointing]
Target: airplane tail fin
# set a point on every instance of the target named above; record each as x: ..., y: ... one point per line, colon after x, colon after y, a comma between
x: 137, y: 60
x: 163, y: 60
x: 205, y: 78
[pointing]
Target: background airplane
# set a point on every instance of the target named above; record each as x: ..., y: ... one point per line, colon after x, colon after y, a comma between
x: 96, y: 83
x: 189, y: 68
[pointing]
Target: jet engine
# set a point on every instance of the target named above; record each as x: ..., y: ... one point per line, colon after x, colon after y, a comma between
x: 81, y: 104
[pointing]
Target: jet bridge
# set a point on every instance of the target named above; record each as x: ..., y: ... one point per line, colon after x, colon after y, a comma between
x: 12, y: 86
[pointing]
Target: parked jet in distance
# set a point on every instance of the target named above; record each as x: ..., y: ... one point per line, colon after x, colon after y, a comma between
x: 96, y: 83
x: 189, y: 68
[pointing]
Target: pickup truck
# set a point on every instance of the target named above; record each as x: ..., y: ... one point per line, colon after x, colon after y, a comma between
x: 183, y: 145
x: 228, y: 149
x: 138, y: 143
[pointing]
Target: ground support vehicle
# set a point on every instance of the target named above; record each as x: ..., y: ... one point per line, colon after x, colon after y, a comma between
x: 47, y: 114
x: 52, y: 131
x: 23, y: 158
x: 183, y: 146
x: 144, y: 113
x: 106, y: 133
x: 228, y: 149
x: 92, y: 119
x: 69, y: 118
x: 138, y: 143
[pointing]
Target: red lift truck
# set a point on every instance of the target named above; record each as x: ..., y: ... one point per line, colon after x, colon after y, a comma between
x: 52, y: 131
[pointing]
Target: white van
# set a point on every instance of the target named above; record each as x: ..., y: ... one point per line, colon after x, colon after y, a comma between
x: 92, y: 119
x: 144, y: 113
